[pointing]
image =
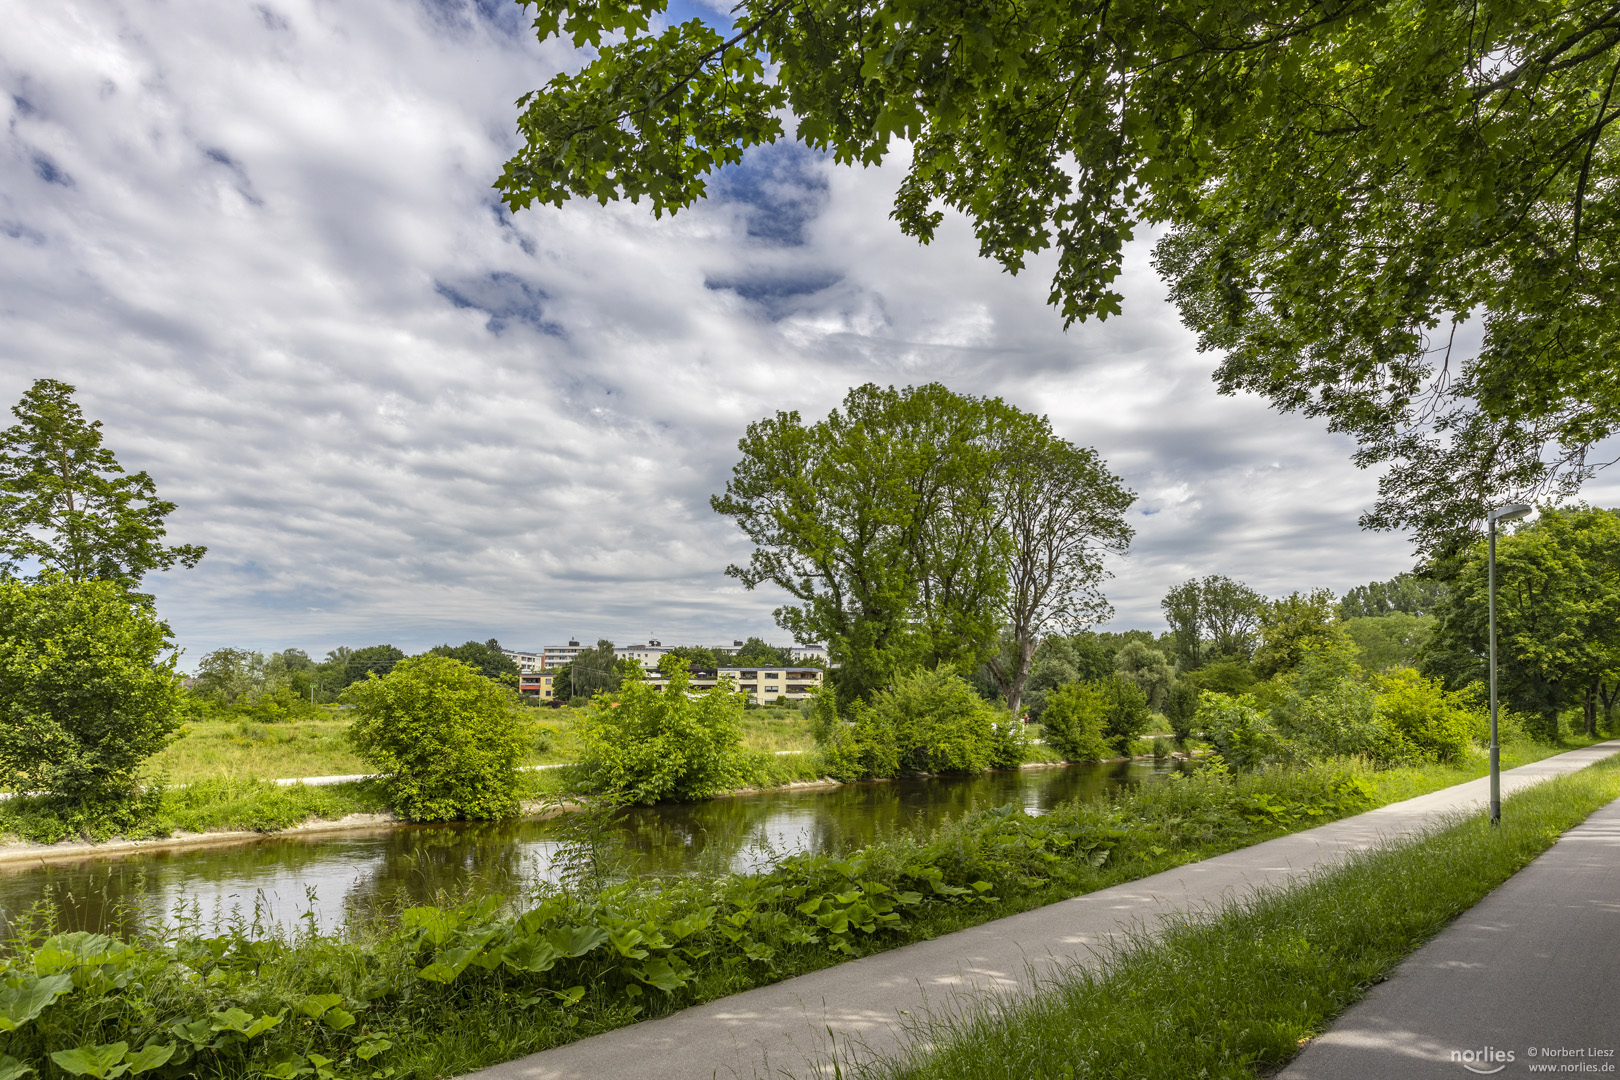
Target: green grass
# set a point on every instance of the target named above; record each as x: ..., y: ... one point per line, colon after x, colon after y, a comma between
x: 247, y: 749
x: 1236, y: 996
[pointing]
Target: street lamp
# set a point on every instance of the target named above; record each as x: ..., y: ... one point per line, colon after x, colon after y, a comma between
x: 1510, y: 512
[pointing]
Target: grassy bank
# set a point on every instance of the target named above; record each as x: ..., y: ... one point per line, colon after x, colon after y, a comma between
x: 442, y: 991
x: 238, y: 749
x: 247, y: 803
x: 1236, y: 996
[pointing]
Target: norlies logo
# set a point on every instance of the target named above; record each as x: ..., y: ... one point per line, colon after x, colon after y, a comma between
x: 1479, y: 1061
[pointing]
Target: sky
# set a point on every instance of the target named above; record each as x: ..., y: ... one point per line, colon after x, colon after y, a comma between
x: 261, y: 240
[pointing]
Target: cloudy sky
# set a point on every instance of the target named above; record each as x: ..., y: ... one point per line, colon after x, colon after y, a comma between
x: 260, y: 238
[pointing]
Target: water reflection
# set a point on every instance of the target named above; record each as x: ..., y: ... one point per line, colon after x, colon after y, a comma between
x: 328, y: 878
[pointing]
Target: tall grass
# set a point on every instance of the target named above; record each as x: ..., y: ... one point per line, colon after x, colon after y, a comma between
x: 1235, y: 996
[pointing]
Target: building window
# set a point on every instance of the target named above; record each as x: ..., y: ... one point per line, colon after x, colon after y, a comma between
x: 773, y: 690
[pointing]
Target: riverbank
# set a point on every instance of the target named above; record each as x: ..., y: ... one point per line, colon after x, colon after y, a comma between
x: 226, y: 811
x: 616, y: 953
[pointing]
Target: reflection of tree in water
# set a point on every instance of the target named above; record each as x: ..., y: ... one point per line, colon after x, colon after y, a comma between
x: 374, y: 874
x: 443, y: 864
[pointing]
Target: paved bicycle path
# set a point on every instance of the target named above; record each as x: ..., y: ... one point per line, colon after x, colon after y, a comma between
x: 791, y: 1028
x: 1524, y: 983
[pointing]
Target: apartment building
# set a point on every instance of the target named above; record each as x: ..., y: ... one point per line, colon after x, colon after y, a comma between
x: 762, y: 684
x: 535, y: 684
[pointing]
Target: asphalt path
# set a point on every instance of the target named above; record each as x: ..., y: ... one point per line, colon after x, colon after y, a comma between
x: 797, y: 1027
x: 1525, y: 983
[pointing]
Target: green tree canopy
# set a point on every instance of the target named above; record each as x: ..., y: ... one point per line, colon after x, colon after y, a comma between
x: 756, y: 652
x: 86, y: 692
x: 486, y: 657
x: 66, y: 503
x: 909, y: 523
x: 880, y: 523
x: 1293, y: 626
x: 1438, y: 160
x: 1405, y: 593
x: 1558, y: 615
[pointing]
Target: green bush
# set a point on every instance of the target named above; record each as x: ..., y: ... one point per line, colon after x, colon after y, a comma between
x: 1125, y: 713
x: 85, y: 695
x: 651, y: 744
x: 1009, y: 743
x: 445, y: 740
x: 1073, y: 722
x: 930, y: 722
x: 1242, y: 733
x: 1180, y: 707
x: 1439, y: 725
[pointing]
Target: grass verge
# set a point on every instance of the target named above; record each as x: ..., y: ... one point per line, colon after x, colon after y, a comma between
x: 1235, y: 996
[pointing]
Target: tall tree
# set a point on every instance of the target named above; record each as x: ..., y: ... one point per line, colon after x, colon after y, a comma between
x: 485, y: 656
x: 880, y: 522
x: 1231, y: 617
x: 1443, y: 159
x: 1061, y: 510
x: 1183, y: 609
x: 1558, y: 614
x: 1406, y: 593
x: 66, y: 503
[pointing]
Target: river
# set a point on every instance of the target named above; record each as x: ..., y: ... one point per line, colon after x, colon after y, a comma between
x: 328, y: 878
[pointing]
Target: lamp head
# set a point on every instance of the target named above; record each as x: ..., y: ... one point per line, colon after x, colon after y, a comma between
x: 1510, y: 512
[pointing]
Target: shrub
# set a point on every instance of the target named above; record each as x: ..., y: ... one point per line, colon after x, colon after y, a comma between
x: 931, y: 721
x: 1125, y: 713
x: 1240, y: 730
x: 1009, y: 743
x: 1074, y: 723
x: 84, y: 694
x: 1330, y: 712
x: 651, y: 744
x: 445, y: 739
x: 1180, y: 706
x: 1439, y: 725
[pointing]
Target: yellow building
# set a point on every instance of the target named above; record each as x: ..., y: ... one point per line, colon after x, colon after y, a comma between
x: 536, y: 684
x: 762, y: 684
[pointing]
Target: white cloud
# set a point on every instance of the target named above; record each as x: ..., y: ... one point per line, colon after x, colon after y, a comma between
x: 263, y: 244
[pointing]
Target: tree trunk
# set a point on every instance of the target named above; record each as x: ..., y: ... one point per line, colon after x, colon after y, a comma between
x: 1015, y: 691
x: 1609, y: 698
x: 1589, y: 705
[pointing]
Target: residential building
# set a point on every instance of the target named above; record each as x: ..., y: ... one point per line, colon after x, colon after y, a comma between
x: 555, y: 656
x: 536, y: 684
x: 525, y: 660
x: 810, y: 652
x: 646, y: 655
x: 762, y: 684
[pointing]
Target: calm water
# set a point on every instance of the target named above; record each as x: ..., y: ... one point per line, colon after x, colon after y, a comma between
x: 330, y: 877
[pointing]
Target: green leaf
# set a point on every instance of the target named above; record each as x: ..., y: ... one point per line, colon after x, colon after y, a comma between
x: 98, y: 1062
x: 338, y: 1019
x: 313, y: 1007
x: 24, y: 997
x: 371, y: 1048
x: 11, y: 1068
x: 149, y: 1057
x: 571, y: 941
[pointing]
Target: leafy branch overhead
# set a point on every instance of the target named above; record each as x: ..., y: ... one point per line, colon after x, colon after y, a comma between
x: 1342, y: 182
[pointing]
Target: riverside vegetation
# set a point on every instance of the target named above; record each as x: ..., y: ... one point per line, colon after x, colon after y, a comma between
x: 441, y: 990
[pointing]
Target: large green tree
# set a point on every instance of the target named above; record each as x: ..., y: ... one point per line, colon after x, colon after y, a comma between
x: 67, y: 504
x: 1558, y: 615
x: 88, y: 691
x: 1342, y: 180
x: 881, y: 522
x: 1061, y: 512
x: 486, y: 657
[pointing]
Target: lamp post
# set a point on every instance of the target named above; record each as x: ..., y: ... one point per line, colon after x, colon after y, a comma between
x: 1510, y: 512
